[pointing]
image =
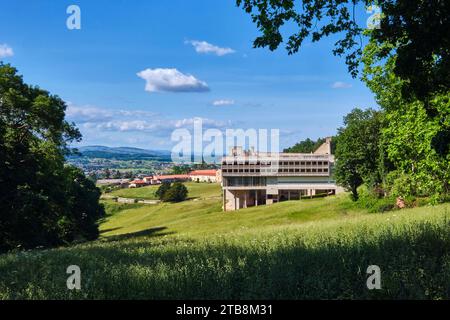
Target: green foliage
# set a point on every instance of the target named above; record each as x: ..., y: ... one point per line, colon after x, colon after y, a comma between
x: 413, y: 132
x: 42, y: 202
x: 400, y: 184
x: 176, y: 193
x: 309, y: 146
x: 358, y: 149
x: 181, y: 169
x: 416, y: 30
x: 371, y: 201
x: 160, y: 193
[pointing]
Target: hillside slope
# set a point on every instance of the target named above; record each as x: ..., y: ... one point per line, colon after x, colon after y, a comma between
x: 296, y: 250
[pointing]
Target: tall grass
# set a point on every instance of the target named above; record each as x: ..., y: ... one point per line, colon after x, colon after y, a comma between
x: 324, y: 260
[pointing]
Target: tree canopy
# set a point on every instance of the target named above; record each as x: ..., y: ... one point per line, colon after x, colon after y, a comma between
x: 43, y: 202
x: 305, y: 146
x: 358, y: 150
x: 309, y: 146
x: 417, y: 31
x: 172, y: 192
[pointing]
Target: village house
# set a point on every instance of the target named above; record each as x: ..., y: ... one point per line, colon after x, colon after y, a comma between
x: 137, y: 184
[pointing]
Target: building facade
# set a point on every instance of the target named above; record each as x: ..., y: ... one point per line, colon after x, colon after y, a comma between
x: 253, y: 178
x: 211, y: 176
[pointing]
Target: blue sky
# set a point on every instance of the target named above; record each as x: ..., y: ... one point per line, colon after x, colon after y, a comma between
x: 194, y: 57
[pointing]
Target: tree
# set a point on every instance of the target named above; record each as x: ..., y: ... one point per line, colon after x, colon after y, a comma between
x: 306, y: 146
x: 357, y: 151
x: 162, y: 190
x: 37, y: 202
x: 128, y: 174
x: 176, y: 193
x: 416, y: 30
x: 416, y: 139
x: 83, y: 203
x: 181, y: 169
x: 309, y: 146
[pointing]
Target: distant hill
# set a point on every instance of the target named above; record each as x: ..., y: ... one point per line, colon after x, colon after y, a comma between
x: 121, y: 153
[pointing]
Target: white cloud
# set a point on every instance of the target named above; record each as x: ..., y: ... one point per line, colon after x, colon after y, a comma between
x: 223, y: 102
x: 87, y: 114
x: 205, y: 47
x: 171, y: 80
x: 341, y: 85
x: 90, y: 114
x: 6, y: 51
x: 158, y: 127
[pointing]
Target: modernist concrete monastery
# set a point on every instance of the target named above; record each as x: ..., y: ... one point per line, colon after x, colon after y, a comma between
x: 254, y: 178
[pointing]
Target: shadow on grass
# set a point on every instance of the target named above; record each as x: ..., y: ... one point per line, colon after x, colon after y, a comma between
x: 152, y: 232
x: 109, y: 230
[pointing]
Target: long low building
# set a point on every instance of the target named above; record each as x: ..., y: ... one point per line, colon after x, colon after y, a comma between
x: 210, y: 175
x: 254, y: 178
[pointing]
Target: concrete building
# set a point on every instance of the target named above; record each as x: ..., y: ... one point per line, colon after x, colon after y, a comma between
x: 252, y: 178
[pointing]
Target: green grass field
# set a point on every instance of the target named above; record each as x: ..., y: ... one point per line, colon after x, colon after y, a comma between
x: 305, y: 249
x: 196, y: 190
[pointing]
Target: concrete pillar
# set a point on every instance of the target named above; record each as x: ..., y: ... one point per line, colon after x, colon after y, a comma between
x: 245, y: 199
x: 224, y: 200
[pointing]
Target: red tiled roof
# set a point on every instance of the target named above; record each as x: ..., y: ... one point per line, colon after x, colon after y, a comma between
x: 138, y: 182
x: 171, y: 176
x: 203, y: 173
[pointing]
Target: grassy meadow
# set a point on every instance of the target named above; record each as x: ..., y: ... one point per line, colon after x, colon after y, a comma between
x: 317, y: 248
x: 196, y: 190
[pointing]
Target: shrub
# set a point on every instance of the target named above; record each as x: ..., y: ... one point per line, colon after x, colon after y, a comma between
x: 162, y: 190
x: 176, y: 193
x: 369, y: 199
